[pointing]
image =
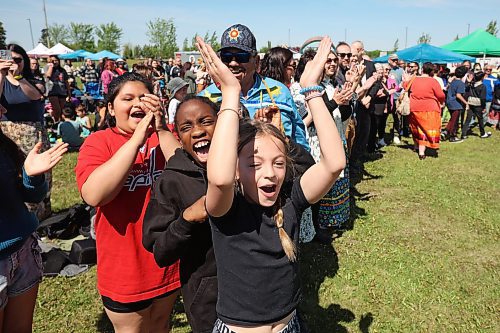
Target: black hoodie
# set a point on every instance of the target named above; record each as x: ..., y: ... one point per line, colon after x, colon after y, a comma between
x: 170, y: 238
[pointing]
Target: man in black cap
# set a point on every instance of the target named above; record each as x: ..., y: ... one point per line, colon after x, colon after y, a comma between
x: 239, y: 52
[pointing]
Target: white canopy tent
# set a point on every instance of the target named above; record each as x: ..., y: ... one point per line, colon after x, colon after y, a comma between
x: 59, y: 49
x: 39, y: 51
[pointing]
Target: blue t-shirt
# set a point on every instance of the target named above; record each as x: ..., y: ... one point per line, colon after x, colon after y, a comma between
x: 19, y: 106
x: 456, y: 87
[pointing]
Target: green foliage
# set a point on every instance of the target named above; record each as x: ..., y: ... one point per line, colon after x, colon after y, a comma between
x: 162, y: 35
x: 214, y: 41
x: 264, y: 49
x: 185, y: 45
x: 492, y: 27
x: 58, y: 33
x: 128, y: 51
x: 3, y: 43
x: 424, y: 38
x: 108, y: 37
x: 44, y: 37
x: 373, y: 54
x: 81, y: 36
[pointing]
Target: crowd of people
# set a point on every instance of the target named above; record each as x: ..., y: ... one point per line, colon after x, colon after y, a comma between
x: 206, y: 176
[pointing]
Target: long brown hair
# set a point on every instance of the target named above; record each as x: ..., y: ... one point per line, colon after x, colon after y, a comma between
x: 249, y: 130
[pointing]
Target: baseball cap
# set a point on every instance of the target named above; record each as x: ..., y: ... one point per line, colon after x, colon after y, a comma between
x: 239, y: 37
x: 175, y: 85
x: 393, y: 56
x: 120, y: 60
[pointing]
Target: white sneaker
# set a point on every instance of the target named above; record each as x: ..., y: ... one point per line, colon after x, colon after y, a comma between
x: 396, y: 140
x: 486, y: 135
x: 381, y: 143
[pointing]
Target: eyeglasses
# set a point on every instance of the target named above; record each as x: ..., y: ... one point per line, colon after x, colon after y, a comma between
x: 344, y: 55
x: 413, y: 66
x: 488, y: 69
x: 240, y: 57
x: 330, y: 60
x: 17, y: 60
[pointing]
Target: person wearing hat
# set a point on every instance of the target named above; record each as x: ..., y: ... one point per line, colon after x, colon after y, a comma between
x: 120, y: 66
x: 239, y: 52
x: 400, y: 124
x: 177, y: 88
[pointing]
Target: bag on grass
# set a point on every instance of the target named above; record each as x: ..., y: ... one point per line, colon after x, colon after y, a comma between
x: 65, y: 225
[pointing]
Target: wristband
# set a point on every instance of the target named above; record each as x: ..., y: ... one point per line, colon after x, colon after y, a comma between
x: 238, y: 112
x: 305, y: 90
x: 313, y: 95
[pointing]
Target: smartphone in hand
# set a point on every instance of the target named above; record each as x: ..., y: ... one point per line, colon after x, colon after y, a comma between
x: 6, y: 54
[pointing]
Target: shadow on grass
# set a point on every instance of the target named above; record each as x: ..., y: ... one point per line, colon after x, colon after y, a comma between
x: 318, y: 262
x: 104, y: 325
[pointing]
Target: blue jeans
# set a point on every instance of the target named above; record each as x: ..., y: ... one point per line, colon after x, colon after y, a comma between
x: 20, y: 271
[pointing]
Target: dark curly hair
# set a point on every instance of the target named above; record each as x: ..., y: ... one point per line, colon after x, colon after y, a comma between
x: 201, y: 99
x: 304, y: 59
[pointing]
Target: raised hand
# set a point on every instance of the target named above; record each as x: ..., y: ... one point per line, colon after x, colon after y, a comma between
x: 152, y: 103
x: 5, y: 66
x: 270, y: 114
x: 219, y: 72
x: 142, y: 130
x: 314, y: 69
x: 344, y: 96
x: 36, y: 163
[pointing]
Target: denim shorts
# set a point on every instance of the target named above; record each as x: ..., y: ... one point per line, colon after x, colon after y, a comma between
x: 20, y: 271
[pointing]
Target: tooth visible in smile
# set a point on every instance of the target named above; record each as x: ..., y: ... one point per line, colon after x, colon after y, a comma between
x: 201, y: 144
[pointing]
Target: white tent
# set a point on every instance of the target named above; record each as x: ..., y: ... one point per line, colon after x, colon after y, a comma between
x: 59, y: 49
x: 39, y: 51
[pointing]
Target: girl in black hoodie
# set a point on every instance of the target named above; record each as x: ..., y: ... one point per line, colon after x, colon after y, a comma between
x: 176, y: 225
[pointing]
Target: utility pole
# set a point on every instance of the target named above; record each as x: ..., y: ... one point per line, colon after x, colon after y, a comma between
x: 406, y: 38
x: 31, y: 32
x: 289, y: 45
x: 345, y: 35
x: 46, y: 24
x: 468, y: 28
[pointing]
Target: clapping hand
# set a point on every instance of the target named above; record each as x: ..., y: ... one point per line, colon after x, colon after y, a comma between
x: 152, y: 103
x: 270, y: 114
x: 219, y: 72
x: 313, y: 71
x: 36, y: 163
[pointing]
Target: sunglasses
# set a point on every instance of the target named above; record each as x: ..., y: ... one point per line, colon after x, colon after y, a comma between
x: 329, y: 61
x: 239, y: 57
x: 343, y: 55
x: 17, y: 60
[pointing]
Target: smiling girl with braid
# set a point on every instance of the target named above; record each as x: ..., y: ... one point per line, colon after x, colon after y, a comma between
x: 254, y: 224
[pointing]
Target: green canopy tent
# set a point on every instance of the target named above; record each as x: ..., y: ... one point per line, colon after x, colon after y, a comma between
x: 478, y: 44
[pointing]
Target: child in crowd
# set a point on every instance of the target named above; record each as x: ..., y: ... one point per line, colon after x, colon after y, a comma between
x: 176, y: 224
x: 100, y: 115
x: 69, y: 130
x: 115, y: 171
x: 255, y: 223
x: 83, y: 120
x: 21, y: 180
x: 178, y: 90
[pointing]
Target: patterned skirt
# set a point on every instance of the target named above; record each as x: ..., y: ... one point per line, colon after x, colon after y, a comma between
x: 334, y: 210
x: 426, y: 128
x: 26, y: 134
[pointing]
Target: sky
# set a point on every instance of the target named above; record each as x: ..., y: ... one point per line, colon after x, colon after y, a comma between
x: 378, y: 23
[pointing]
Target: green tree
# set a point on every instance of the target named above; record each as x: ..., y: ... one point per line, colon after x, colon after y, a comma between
x: 492, y: 27
x: 424, y: 38
x: 373, y: 54
x: 395, y: 47
x: 137, y: 51
x: 3, y: 37
x: 44, y: 37
x: 81, y: 36
x: 128, y: 51
x: 193, y: 42
x: 264, y: 49
x: 214, y: 41
x: 149, y: 51
x: 185, y: 45
x: 58, y: 33
x: 108, y: 37
x: 162, y: 34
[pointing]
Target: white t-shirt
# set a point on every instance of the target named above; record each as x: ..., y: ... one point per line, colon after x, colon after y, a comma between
x: 172, y: 108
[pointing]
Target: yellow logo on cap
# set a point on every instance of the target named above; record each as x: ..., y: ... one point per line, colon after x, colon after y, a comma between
x: 234, y: 34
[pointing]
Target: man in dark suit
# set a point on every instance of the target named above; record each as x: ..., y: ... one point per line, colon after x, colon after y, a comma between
x: 364, y: 106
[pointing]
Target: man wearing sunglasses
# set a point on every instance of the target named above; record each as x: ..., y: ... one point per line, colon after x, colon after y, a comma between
x: 239, y: 52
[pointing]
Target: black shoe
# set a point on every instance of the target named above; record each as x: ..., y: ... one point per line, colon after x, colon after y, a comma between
x: 323, y: 237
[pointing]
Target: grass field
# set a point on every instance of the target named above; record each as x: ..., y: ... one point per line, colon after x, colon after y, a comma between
x: 422, y: 255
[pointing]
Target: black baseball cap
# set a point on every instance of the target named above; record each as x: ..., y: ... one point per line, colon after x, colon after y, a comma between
x: 240, y: 37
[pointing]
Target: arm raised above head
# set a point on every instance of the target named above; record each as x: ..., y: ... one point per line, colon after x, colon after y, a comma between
x: 223, y: 154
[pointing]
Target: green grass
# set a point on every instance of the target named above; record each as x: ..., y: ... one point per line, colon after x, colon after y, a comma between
x: 423, y: 254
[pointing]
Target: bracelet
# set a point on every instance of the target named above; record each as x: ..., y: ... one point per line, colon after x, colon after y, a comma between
x: 238, y: 112
x: 313, y: 95
x: 305, y: 90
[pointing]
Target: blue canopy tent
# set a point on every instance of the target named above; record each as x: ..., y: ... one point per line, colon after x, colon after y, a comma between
x: 427, y: 53
x: 104, y: 54
x: 78, y: 54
